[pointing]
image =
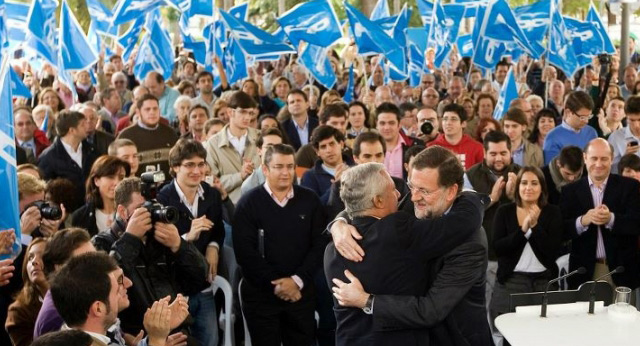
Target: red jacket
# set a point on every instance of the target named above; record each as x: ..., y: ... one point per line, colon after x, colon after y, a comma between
x: 468, y: 150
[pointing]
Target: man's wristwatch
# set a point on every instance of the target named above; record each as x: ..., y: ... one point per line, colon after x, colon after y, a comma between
x: 368, y: 306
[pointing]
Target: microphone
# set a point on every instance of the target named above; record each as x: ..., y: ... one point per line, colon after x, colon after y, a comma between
x: 545, y: 298
x: 592, y: 292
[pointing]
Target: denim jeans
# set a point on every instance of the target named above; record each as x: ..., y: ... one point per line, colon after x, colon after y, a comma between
x: 202, y: 307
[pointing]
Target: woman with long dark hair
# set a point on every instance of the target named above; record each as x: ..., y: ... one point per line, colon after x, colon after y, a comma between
x: 97, y: 214
x: 22, y: 314
x: 527, y: 240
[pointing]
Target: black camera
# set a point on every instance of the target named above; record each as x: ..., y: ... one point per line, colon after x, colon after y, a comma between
x: 48, y: 211
x: 426, y: 128
x: 604, y: 59
x: 159, y: 213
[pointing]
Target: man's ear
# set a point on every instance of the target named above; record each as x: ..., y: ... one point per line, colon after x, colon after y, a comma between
x: 378, y: 202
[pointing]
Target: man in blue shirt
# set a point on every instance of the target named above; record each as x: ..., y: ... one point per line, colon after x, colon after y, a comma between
x: 574, y: 129
x: 166, y: 96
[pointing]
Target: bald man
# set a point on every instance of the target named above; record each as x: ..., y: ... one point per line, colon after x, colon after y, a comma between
x: 601, y: 217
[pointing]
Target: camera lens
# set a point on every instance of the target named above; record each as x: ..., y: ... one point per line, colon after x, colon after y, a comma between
x: 426, y: 128
x: 50, y: 212
x: 168, y: 215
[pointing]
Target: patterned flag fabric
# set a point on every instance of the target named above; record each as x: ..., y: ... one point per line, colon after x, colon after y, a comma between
x: 314, y: 22
x: 508, y: 93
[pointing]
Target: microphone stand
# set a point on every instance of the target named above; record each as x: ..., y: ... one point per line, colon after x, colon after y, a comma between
x: 545, y: 298
x: 592, y: 292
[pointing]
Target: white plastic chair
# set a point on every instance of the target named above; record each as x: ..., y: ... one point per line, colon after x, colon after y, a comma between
x: 563, y: 268
x: 226, y: 318
x: 247, y: 337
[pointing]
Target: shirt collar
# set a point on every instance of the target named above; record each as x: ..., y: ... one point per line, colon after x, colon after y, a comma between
x: 270, y: 192
x: 303, y: 127
x: 627, y: 132
x: 568, y: 127
x: 100, y: 337
x: 183, y: 197
x: 520, y: 148
x: 231, y: 136
x: 70, y: 149
x: 147, y: 127
x: 603, y: 185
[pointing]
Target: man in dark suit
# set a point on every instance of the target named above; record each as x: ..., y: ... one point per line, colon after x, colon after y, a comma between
x: 601, y: 218
x: 69, y: 156
x: 454, y: 307
x: 200, y: 223
x: 98, y: 140
x: 300, y: 126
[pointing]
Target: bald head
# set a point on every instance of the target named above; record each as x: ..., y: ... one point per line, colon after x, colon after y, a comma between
x: 598, y: 156
x: 383, y: 94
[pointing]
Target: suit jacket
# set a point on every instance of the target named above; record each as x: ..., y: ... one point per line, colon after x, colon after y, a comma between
x: 532, y: 154
x: 454, y: 307
x: 99, y: 142
x: 622, y: 197
x: 289, y: 127
x: 55, y: 162
x: 210, y: 205
x: 398, y: 249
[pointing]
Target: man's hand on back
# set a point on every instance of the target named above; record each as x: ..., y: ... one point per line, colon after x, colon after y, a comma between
x: 344, y: 239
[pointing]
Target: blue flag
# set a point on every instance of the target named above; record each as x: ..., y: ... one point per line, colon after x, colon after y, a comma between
x: 254, y: 42
x: 41, y: 25
x: 8, y: 177
x: 77, y: 53
x: 101, y: 17
x: 495, y: 28
x: 16, y: 22
x: 130, y: 38
x: 417, y: 45
x: 380, y: 11
x: 240, y: 11
x: 350, y: 91
x: 201, y: 7
x: 213, y: 48
x: 425, y: 8
x: 444, y: 30
x: 370, y: 38
x: 4, y: 38
x: 534, y: 21
x: 586, y: 40
x: 128, y: 10
x: 508, y: 93
x: 18, y: 88
x: 316, y: 61
x: 314, y: 22
x: 560, y: 51
x: 465, y: 45
x: 400, y: 26
x: 156, y: 54
x: 235, y: 63
x: 594, y: 18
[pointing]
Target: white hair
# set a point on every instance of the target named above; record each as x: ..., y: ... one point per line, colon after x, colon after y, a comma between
x: 181, y: 99
x: 360, y: 185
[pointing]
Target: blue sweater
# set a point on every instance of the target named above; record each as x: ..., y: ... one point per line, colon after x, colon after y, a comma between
x: 561, y: 137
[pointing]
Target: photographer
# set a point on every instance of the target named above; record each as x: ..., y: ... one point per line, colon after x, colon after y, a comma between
x: 427, y: 116
x: 151, y: 253
x: 37, y: 218
x: 201, y: 206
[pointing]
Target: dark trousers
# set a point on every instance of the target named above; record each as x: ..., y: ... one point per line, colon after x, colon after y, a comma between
x: 274, y: 322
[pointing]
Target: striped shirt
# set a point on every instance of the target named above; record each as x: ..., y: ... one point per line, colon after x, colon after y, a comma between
x: 596, y: 194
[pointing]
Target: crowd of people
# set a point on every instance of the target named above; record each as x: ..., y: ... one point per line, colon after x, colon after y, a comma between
x: 335, y: 223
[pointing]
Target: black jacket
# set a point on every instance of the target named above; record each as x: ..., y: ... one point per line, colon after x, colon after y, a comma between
x: 156, y: 272
x: 210, y: 205
x: 398, y: 249
x: 55, y: 162
x: 289, y: 127
x: 509, y: 240
x: 622, y: 197
x: 454, y: 306
x: 99, y: 142
x: 85, y: 217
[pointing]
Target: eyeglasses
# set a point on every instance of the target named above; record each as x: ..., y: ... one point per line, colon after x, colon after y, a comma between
x: 245, y: 112
x: 422, y: 191
x: 585, y: 117
x: 432, y: 96
x: 192, y: 165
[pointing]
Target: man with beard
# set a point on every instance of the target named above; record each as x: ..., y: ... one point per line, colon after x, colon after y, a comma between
x: 453, y: 307
x: 91, y: 289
